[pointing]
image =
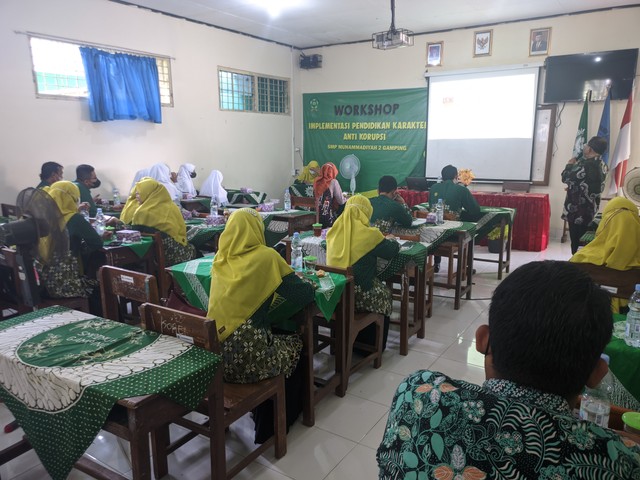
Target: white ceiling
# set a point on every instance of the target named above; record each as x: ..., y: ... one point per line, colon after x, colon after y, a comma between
x: 311, y: 23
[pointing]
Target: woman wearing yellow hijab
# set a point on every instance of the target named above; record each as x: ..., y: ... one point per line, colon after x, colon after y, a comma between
x: 62, y: 276
x: 351, y: 242
x: 150, y: 209
x: 309, y: 173
x: 246, y: 276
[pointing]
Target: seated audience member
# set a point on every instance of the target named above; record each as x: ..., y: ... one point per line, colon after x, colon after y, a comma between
x: 50, y: 172
x: 389, y: 208
x: 309, y: 173
x: 617, y: 241
x: 548, y: 325
x: 212, y: 187
x: 86, y: 179
x: 186, y: 174
x: 150, y: 209
x: 62, y: 276
x: 245, y: 277
x: 328, y: 194
x: 456, y: 198
x: 163, y: 175
x: 351, y: 242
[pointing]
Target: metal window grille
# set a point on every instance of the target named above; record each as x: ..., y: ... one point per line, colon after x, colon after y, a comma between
x: 244, y: 91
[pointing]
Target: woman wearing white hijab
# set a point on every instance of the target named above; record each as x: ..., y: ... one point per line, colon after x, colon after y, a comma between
x: 140, y: 174
x: 186, y: 172
x: 212, y: 186
x: 162, y: 174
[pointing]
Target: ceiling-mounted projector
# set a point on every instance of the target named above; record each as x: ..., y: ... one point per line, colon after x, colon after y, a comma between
x: 399, y: 37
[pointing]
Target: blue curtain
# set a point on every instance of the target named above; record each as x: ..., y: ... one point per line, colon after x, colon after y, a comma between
x: 121, y: 86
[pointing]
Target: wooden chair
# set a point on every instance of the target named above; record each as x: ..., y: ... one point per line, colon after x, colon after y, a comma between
x: 516, y: 187
x: 24, y: 297
x: 10, y: 286
x: 224, y: 404
x: 120, y: 287
x: 620, y: 284
x: 159, y: 265
x: 310, y: 203
x: 10, y: 211
x: 354, y: 324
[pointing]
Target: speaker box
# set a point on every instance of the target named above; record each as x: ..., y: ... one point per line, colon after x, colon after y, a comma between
x: 310, y: 61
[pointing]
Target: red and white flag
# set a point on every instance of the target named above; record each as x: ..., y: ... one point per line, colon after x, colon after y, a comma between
x: 622, y: 151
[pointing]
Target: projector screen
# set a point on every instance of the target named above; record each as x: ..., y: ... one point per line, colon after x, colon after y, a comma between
x: 483, y: 121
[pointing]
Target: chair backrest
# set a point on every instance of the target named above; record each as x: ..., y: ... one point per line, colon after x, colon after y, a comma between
x: 10, y: 211
x: 620, y: 284
x: 161, y: 274
x: 310, y: 203
x: 167, y: 321
x: 116, y: 283
x: 516, y: 187
x: 10, y: 287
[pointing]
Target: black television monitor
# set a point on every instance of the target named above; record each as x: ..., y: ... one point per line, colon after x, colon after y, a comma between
x: 419, y: 183
x: 569, y: 77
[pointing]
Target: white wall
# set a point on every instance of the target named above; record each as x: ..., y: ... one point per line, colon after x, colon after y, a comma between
x: 255, y: 150
x: 250, y: 149
x: 360, y: 67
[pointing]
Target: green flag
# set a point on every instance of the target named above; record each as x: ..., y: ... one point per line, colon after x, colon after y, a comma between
x: 581, y: 134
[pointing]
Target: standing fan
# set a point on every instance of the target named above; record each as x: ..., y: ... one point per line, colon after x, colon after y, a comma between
x: 39, y: 219
x: 631, y: 188
x: 349, y: 168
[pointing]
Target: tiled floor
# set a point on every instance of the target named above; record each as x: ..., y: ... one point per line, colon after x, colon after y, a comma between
x: 343, y: 443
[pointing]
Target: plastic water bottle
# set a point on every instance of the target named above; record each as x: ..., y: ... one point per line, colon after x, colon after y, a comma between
x: 439, y: 178
x: 596, y: 402
x: 214, y: 205
x: 100, y: 222
x: 440, y: 212
x: 296, y: 252
x: 116, y: 197
x: 632, y: 329
x: 85, y: 214
x: 287, y: 200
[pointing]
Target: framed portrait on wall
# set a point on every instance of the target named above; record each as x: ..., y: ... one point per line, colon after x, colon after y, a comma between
x: 434, y: 54
x: 539, y: 41
x: 482, y: 43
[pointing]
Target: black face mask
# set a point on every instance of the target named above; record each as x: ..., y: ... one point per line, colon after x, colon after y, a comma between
x: 193, y: 174
x: 96, y: 184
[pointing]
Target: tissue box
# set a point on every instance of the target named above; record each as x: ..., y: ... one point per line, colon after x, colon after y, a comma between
x: 432, y: 218
x: 266, y: 207
x: 128, y: 236
x: 246, y: 190
x: 215, y: 220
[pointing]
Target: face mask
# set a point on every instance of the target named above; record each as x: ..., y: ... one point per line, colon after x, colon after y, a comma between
x: 193, y: 174
x: 96, y: 184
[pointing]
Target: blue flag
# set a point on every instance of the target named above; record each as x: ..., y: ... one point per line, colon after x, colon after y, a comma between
x: 604, y: 129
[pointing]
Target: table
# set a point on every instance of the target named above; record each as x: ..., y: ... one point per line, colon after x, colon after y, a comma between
x: 253, y: 198
x: 62, y: 372
x: 532, y: 224
x: 199, y: 233
x: 624, y: 361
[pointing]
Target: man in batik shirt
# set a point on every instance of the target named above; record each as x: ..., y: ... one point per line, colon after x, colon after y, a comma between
x: 548, y: 325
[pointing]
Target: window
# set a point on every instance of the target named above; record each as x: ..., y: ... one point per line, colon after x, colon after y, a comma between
x: 59, y: 73
x: 242, y: 91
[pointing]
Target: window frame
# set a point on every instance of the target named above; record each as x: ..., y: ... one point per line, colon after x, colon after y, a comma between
x: 164, y: 59
x: 256, y: 95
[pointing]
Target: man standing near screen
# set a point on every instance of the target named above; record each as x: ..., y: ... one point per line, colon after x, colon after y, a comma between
x: 584, y: 176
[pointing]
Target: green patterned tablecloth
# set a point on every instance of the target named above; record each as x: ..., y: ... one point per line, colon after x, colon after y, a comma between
x: 491, y: 217
x: 139, y: 248
x: 194, y: 279
x: 302, y: 190
x: 253, y: 198
x: 432, y: 236
x: 199, y: 233
x: 409, y: 251
x: 624, y: 360
x: 62, y: 371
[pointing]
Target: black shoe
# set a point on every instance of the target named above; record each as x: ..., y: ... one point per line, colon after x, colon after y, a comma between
x: 436, y: 267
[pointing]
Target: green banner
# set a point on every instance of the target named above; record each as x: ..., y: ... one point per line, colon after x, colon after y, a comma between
x: 385, y: 129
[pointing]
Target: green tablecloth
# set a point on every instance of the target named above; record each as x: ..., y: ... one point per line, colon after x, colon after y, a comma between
x: 199, y: 233
x: 432, y: 236
x: 139, y: 248
x: 194, y: 279
x: 624, y: 360
x: 253, y: 198
x: 409, y: 251
x: 302, y: 190
x: 62, y: 372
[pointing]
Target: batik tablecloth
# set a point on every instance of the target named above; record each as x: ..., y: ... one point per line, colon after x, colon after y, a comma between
x: 624, y: 360
x: 62, y: 371
x: 253, y: 198
x: 491, y: 217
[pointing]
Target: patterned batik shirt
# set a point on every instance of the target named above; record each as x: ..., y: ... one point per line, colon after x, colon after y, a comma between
x: 449, y: 429
x: 585, y: 183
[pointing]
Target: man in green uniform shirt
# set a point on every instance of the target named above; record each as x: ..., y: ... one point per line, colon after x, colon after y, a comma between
x: 456, y: 198
x: 86, y: 179
x: 389, y: 208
